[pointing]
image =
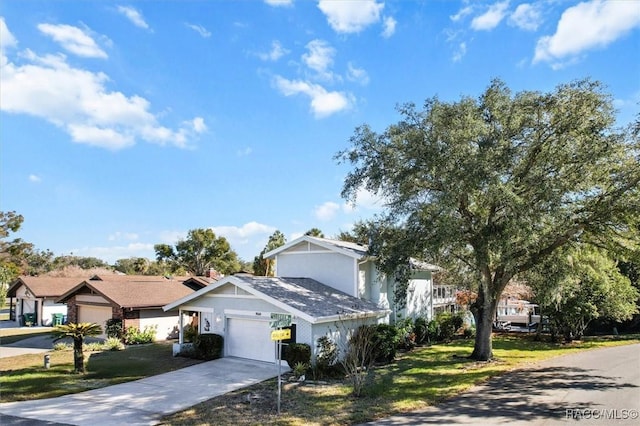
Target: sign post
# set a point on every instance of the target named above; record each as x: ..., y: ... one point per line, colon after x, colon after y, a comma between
x: 278, y: 321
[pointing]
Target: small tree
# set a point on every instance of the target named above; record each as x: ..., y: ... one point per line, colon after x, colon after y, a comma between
x: 359, y: 349
x: 77, y: 332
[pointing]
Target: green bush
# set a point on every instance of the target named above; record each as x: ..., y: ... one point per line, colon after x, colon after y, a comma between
x: 433, y: 331
x: 208, y: 346
x: 449, y: 324
x: 420, y: 328
x: 469, y: 332
x: 134, y: 336
x: 406, y: 335
x: 327, y: 355
x: 297, y: 352
x: 385, y: 343
x: 113, y: 344
x: 190, y: 333
x: 114, y: 328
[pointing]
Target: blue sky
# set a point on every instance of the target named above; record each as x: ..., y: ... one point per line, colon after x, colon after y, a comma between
x: 126, y: 124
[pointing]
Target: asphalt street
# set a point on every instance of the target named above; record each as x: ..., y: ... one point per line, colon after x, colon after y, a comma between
x: 594, y: 387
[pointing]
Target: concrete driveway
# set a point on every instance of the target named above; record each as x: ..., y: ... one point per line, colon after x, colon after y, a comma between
x: 145, y: 401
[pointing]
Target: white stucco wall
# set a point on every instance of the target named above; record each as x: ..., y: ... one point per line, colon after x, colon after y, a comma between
x: 332, y: 269
x: 166, y: 323
x: 419, y: 297
x: 49, y: 308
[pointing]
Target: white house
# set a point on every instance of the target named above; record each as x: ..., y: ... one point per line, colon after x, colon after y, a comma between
x: 326, y: 286
x: 35, y: 299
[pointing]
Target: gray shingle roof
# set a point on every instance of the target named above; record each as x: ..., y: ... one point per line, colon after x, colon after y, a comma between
x: 310, y: 296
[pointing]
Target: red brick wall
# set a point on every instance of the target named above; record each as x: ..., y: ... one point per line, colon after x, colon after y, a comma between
x: 72, y: 310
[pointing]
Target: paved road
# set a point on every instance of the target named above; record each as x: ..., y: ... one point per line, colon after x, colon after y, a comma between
x: 600, y: 386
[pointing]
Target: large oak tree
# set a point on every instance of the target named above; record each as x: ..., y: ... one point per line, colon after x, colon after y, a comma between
x: 490, y: 186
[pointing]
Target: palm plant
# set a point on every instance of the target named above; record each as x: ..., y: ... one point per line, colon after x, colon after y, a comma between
x: 77, y: 332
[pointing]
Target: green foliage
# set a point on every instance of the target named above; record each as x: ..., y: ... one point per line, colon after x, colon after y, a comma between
x: 406, y: 334
x: 581, y: 284
x: 300, y: 369
x: 135, y: 336
x: 420, y: 328
x: 78, y: 332
x: 265, y: 267
x: 113, y: 328
x: 385, y: 342
x: 113, y: 344
x: 208, y: 346
x: 359, y: 357
x: 448, y: 325
x: 315, y: 232
x: 327, y: 353
x: 295, y: 353
x: 199, y: 252
x: 190, y: 333
x: 488, y: 187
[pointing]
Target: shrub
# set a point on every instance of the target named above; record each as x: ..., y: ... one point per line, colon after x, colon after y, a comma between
x: 60, y: 346
x: 113, y: 344
x: 406, y: 336
x: 359, y: 357
x: 449, y: 325
x: 190, y: 333
x: 300, y: 369
x: 297, y: 352
x: 385, y: 342
x: 133, y: 335
x: 469, y: 332
x: 208, y: 346
x: 114, y: 328
x: 420, y: 328
x: 433, y: 331
x: 94, y: 347
x: 327, y: 353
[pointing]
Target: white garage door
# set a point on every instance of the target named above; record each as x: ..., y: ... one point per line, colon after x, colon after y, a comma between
x: 250, y: 339
x: 97, y: 314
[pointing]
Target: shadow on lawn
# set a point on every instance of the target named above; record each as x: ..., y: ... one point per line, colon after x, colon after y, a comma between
x: 513, y: 395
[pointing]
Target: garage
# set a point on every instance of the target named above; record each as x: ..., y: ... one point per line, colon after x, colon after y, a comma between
x: 250, y: 338
x: 96, y: 314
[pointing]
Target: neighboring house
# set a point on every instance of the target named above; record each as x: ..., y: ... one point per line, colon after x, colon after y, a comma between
x: 328, y: 286
x: 239, y: 307
x: 36, y: 297
x: 136, y: 300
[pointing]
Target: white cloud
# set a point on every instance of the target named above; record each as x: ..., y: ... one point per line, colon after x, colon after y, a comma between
x: 323, y: 103
x: 111, y: 254
x: 586, y: 26
x: 351, y: 16
x: 134, y: 16
x: 279, y: 3
x: 389, y: 27
x: 35, y: 179
x: 78, y: 101
x: 199, y: 29
x: 461, y: 13
x: 245, y: 239
x: 244, y: 152
x: 326, y: 211
x: 118, y: 236
x: 6, y: 38
x: 365, y: 200
x: 320, y: 58
x: 73, y: 39
x: 357, y: 74
x: 491, y: 18
x: 526, y: 17
x: 460, y: 52
x: 276, y: 52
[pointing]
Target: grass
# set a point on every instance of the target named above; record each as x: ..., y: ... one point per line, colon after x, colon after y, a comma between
x: 25, y: 378
x: 415, y: 380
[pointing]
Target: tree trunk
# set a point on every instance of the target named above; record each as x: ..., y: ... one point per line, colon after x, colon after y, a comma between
x: 483, y: 349
x: 78, y: 355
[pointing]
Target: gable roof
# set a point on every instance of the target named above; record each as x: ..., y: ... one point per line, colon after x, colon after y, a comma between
x: 303, y: 297
x: 43, y: 286
x: 134, y: 294
x: 354, y: 250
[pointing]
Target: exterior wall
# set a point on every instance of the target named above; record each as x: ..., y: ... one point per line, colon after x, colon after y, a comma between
x: 167, y: 323
x: 49, y: 308
x: 338, y: 331
x: 330, y: 268
x: 419, y: 296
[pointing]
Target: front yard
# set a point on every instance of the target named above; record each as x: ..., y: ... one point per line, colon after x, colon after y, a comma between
x: 416, y: 379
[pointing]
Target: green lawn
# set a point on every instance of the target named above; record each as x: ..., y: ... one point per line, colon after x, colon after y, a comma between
x: 419, y: 378
x: 12, y: 335
x: 25, y: 378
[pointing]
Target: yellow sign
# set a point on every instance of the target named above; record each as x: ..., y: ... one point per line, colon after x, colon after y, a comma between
x: 281, y: 334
